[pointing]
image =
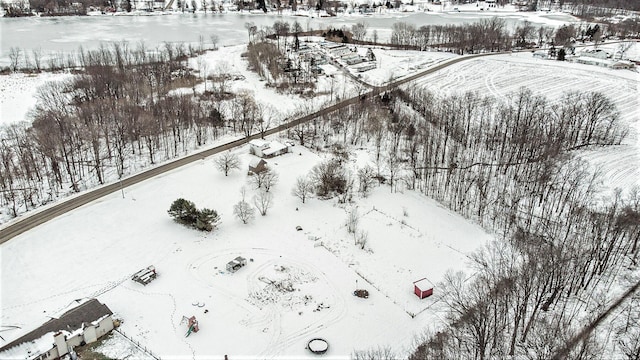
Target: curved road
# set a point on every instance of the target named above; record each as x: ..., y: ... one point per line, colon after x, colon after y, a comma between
x: 30, y: 221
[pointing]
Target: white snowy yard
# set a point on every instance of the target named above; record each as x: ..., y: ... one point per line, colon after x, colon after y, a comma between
x: 93, y: 251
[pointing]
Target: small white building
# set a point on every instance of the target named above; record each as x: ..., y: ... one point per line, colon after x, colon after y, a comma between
x: 87, y: 321
x: 267, y: 149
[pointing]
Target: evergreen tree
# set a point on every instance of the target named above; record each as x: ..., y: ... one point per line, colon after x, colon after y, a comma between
x: 561, y: 55
x: 183, y: 211
x: 207, y: 219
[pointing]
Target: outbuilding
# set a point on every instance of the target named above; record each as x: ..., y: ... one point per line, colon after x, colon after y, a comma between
x: 423, y: 288
x: 257, y: 165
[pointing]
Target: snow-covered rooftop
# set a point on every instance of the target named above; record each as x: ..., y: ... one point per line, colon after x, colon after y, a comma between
x: 274, y: 147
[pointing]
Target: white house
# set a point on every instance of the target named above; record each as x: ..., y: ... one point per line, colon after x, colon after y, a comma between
x: 87, y: 321
x: 267, y: 149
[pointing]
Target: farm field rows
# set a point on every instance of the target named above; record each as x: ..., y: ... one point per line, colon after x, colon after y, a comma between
x: 501, y: 75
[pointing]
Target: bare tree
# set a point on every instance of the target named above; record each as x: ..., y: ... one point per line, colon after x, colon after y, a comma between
x: 303, y: 188
x: 243, y: 211
x: 379, y: 353
x: 14, y: 58
x: 352, y: 221
x: 37, y: 58
x: 623, y: 47
x: 251, y: 29
x: 366, y: 180
x: 227, y: 162
x: 263, y: 201
x: 359, y: 30
x: 264, y: 180
x: 214, y: 38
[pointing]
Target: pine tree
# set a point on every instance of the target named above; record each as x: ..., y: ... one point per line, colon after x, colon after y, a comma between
x: 183, y: 211
x: 207, y: 219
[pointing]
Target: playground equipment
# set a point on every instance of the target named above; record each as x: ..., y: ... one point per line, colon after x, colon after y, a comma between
x: 192, y: 325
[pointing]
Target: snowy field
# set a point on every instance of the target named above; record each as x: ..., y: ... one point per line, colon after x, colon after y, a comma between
x: 18, y: 94
x: 503, y: 74
x: 297, y: 285
x: 92, y: 251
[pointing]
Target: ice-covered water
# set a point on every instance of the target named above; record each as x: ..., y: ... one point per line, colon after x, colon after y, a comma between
x: 67, y: 34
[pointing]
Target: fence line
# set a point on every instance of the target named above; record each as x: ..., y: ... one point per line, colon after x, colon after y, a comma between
x: 138, y: 345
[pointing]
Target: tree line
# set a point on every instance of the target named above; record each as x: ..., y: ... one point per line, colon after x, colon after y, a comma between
x: 491, y: 35
x: 512, y: 166
x: 119, y: 114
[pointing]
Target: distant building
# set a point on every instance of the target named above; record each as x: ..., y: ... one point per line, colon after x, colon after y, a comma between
x: 611, y: 64
x: 596, y: 53
x: 85, y: 323
x: 365, y: 67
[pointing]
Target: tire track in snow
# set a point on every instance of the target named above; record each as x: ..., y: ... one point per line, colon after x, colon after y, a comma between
x: 278, y: 342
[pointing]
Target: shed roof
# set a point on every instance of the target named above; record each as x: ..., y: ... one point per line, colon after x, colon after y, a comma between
x: 255, y: 162
x: 71, y: 320
x: 423, y: 284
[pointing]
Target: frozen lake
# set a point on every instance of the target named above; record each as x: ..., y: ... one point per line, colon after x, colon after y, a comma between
x: 69, y: 33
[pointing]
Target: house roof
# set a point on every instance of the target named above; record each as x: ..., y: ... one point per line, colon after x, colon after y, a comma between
x: 274, y: 147
x: 259, y: 142
x: 423, y: 284
x: 255, y: 162
x: 71, y: 320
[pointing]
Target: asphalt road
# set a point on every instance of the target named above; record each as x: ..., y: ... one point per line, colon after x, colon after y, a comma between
x: 29, y: 221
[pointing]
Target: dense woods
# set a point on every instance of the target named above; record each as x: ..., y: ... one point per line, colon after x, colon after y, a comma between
x: 510, y: 166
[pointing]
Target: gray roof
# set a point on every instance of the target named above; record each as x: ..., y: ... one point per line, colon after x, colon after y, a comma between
x: 71, y: 320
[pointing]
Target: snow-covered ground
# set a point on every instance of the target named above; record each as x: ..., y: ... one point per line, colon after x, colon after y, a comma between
x: 503, y: 74
x: 18, y: 94
x: 92, y: 251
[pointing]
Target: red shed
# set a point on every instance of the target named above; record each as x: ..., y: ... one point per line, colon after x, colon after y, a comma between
x: 422, y: 288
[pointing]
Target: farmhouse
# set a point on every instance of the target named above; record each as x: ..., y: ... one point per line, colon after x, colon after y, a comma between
x: 266, y: 149
x: 85, y: 323
x: 422, y: 288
